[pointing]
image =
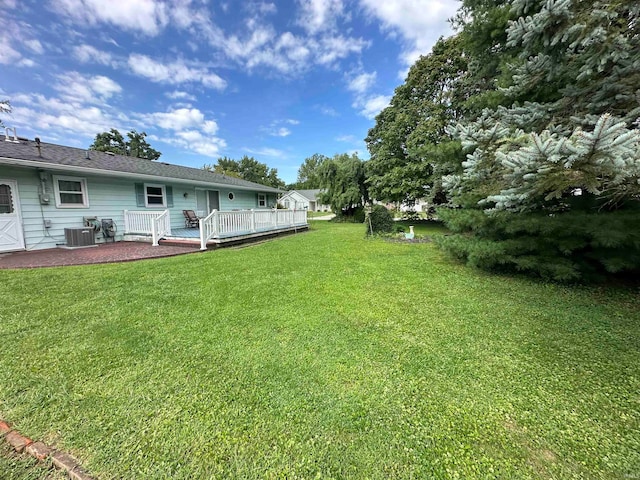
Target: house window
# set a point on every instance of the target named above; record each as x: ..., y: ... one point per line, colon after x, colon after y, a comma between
x: 154, y: 195
x: 231, y: 196
x: 71, y: 192
x: 262, y: 200
x: 6, y: 203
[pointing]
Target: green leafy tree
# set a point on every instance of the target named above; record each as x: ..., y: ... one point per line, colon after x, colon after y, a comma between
x: 309, y: 172
x: 247, y: 168
x: 409, y: 145
x: 551, y: 181
x: 343, y: 179
x: 135, y: 145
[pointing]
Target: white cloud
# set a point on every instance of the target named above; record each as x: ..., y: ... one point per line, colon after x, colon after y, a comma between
x: 178, y: 119
x: 87, y: 53
x: 282, y: 132
x: 8, y: 55
x: 260, y: 45
x: 26, y: 62
x: 196, y: 141
x: 319, y: 15
x: 188, y: 129
x: 146, y: 16
x: 330, y: 112
x: 361, y: 83
x: 262, y: 8
x: 76, y: 87
x: 368, y: 105
x: 265, y: 151
x: 347, y: 138
x: 60, y: 118
x: 69, y: 117
x: 419, y: 22
x: 276, y: 128
x: 371, y: 106
x: 179, y: 95
x: 35, y: 46
x: 174, y: 73
x: 338, y: 47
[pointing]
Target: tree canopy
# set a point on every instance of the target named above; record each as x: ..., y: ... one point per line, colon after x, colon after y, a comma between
x: 409, y: 145
x: 309, y: 172
x: 247, y: 168
x: 135, y: 145
x: 546, y: 115
x: 343, y: 179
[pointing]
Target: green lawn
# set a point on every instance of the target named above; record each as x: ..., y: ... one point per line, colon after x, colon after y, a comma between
x: 311, y: 214
x: 23, y: 467
x: 322, y: 354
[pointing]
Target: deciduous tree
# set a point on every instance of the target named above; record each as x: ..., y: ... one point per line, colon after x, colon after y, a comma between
x: 136, y: 144
x: 247, y: 168
x: 343, y: 179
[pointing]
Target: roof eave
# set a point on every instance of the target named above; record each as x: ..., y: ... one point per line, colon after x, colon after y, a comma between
x: 114, y: 173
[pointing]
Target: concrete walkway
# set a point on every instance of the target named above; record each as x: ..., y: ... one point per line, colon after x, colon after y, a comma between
x: 324, y: 217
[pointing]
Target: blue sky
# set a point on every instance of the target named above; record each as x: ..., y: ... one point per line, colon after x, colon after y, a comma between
x: 278, y: 81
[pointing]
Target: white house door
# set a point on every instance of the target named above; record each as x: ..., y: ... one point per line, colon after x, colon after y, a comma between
x: 11, y: 237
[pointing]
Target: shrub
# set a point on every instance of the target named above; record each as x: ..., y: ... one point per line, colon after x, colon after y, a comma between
x: 352, y: 215
x: 411, y: 215
x: 379, y: 221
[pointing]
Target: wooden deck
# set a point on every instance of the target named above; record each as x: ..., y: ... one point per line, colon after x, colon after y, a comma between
x: 220, y: 228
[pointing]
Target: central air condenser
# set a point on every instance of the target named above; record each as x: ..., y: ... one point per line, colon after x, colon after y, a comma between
x: 79, y: 237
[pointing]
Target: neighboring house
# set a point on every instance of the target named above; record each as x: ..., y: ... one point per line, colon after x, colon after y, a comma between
x: 420, y: 205
x: 47, y: 188
x: 303, y: 200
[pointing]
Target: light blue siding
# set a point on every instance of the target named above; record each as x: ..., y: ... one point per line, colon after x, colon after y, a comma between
x: 108, y: 197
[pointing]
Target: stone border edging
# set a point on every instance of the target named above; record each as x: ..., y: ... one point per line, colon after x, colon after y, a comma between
x: 41, y: 452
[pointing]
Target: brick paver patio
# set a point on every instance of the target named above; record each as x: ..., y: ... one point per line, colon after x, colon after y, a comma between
x: 105, y: 253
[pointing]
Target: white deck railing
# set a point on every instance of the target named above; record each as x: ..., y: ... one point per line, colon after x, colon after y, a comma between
x: 156, y: 224
x: 245, y: 222
x: 160, y: 227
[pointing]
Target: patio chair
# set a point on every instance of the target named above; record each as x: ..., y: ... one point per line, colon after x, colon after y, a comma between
x: 191, y: 220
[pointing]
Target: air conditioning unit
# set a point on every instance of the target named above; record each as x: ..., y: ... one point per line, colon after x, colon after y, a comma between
x: 79, y: 237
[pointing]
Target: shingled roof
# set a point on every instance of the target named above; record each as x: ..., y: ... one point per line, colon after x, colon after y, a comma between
x: 25, y: 153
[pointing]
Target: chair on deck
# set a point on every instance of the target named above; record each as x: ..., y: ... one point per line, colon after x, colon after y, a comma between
x: 191, y: 220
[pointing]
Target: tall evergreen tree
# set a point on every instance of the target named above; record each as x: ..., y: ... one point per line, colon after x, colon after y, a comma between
x: 551, y: 181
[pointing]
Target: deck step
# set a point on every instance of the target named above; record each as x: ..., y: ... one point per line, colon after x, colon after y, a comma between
x: 195, y: 243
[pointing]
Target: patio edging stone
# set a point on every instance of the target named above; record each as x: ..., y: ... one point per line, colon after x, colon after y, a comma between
x: 40, y: 451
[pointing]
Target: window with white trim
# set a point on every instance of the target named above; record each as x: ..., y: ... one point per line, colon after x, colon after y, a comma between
x: 154, y: 195
x: 71, y: 192
x: 262, y: 200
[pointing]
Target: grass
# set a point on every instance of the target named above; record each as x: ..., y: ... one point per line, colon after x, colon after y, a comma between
x: 312, y: 214
x: 321, y: 355
x: 22, y: 467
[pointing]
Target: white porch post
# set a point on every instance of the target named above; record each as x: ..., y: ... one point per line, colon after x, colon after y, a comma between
x: 203, y: 242
x: 154, y: 233
x: 253, y: 220
x: 126, y: 221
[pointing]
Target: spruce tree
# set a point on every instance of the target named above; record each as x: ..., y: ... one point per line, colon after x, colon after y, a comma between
x: 551, y: 183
